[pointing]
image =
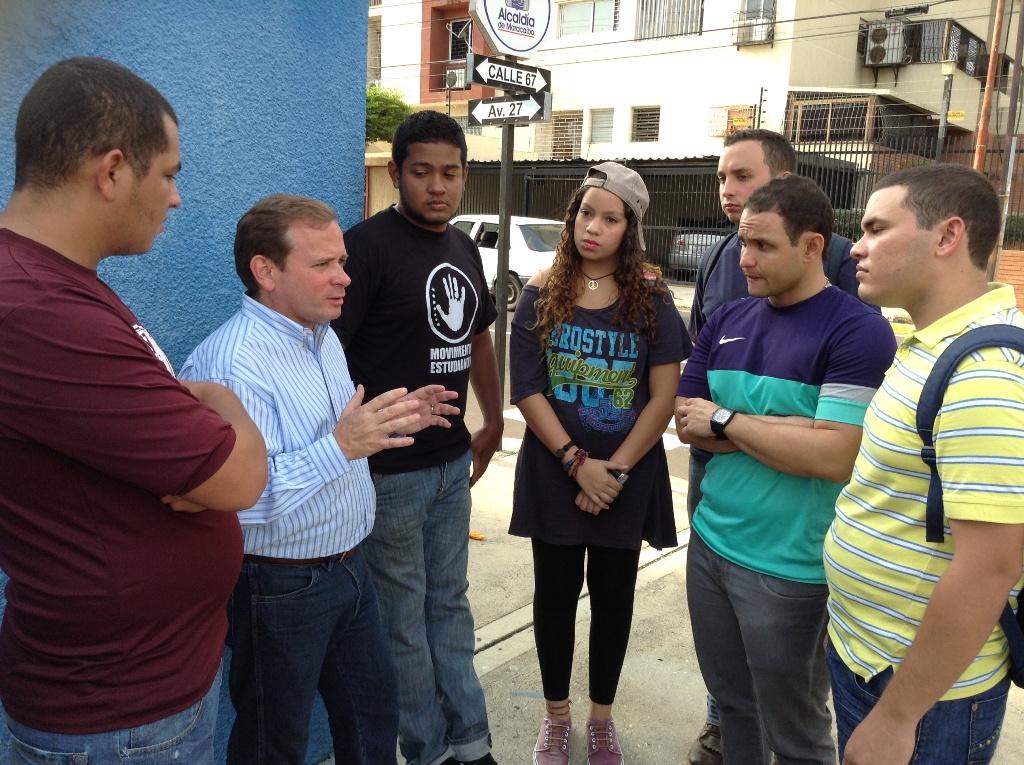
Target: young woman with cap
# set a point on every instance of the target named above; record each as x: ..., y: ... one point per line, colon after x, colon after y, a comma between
x: 595, y: 353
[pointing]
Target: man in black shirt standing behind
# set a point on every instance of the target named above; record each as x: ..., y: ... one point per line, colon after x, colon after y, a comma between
x: 418, y: 313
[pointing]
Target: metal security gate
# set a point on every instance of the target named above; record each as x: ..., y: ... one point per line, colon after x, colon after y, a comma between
x: 685, y: 215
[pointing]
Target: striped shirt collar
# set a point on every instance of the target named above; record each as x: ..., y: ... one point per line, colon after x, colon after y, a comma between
x: 999, y: 297
x: 312, y: 339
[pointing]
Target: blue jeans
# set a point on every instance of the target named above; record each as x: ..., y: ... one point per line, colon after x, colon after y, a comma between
x: 951, y: 732
x: 299, y: 630
x: 418, y: 552
x: 185, y: 737
x: 759, y: 645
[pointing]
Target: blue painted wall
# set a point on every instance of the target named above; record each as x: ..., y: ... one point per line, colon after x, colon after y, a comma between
x: 270, y: 97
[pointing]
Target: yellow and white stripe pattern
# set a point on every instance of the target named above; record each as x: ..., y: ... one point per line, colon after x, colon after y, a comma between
x: 880, y: 570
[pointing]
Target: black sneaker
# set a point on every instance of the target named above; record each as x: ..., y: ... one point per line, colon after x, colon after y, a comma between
x: 485, y: 760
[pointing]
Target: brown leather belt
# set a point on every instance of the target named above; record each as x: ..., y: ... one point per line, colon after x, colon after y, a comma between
x: 297, y: 561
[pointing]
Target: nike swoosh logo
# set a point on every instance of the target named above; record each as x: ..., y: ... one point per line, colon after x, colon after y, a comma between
x: 725, y: 339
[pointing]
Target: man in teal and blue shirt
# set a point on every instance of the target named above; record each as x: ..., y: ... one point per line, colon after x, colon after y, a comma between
x: 776, y: 389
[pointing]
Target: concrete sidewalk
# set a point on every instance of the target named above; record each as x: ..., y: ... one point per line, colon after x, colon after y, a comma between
x: 660, y: 704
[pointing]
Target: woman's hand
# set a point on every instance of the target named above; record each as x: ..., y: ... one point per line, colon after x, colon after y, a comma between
x: 598, y: 487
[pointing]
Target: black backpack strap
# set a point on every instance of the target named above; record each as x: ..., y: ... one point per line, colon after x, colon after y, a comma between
x: 991, y: 336
x: 836, y: 248
x: 1012, y: 629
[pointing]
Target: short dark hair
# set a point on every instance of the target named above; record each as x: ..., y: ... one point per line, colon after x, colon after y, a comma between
x: 938, y: 192
x: 427, y: 127
x: 80, y: 108
x: 263, y: 230
x: 801, y: 204
x: 778, y: 152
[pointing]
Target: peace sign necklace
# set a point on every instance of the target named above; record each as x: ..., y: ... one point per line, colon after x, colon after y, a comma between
x: 592, y: 284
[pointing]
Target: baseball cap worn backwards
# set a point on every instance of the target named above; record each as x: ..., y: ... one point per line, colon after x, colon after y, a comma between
x: 624, y: 183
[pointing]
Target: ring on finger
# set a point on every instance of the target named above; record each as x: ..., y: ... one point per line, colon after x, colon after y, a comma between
x: 431, y: 408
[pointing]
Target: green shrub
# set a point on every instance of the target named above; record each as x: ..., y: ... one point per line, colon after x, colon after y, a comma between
x: 385, y: 110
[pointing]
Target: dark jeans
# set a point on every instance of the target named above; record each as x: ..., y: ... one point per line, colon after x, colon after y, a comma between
x: 299, y: 630
x: 558, y: 581
x: 698, y: 467
x: 759, y: 645
x: 951, y: 732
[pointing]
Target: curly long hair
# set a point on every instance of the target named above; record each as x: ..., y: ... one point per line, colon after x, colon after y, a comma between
x: 635, y: 306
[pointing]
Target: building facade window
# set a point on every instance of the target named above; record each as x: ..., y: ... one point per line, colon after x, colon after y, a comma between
x: 601, y: 121
x: 587, y: 17
x: 373, y: 53
x: 646, y: 124
x: 667, y: 18
x: 838, y: 119
x: 562, y: 138
x: 460, y: 39
x: 759, y: 9
x: 467, y: 128
x: 726, y: 120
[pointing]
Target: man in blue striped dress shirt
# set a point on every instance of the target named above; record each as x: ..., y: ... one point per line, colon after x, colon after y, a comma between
x: 304, y: 617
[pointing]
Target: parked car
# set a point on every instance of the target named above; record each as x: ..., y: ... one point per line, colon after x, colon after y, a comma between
x: 533, y: 242
x: 684, y: 253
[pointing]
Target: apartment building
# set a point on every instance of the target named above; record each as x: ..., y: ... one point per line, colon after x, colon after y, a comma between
x: 667, y: 79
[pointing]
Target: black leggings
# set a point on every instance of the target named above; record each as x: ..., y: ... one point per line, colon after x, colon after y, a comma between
x: 558, y: 581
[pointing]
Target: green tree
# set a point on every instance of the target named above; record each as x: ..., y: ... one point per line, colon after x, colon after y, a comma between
x: 385, y: 109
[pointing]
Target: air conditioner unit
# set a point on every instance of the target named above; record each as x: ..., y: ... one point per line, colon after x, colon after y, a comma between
x: 887, y: 44
x: 754, y: 31
x: 455, y: 78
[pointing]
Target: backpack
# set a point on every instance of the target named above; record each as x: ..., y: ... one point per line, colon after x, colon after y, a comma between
x: 992, y: 336
x: 836, y: 246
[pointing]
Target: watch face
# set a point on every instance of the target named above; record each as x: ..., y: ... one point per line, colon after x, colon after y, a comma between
x: 721, y: 416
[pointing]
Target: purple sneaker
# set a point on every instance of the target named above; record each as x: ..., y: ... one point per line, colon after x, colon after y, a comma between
x: 602, y: 744
x: 552, y: 742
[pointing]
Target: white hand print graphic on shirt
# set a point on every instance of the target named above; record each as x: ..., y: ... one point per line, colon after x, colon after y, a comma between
x: 453, y: 301
x: 456, y: 303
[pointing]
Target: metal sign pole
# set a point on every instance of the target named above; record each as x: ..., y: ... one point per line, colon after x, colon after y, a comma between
x: 508, y: 134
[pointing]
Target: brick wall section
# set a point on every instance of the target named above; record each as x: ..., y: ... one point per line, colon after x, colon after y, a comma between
x: 1011, y: 271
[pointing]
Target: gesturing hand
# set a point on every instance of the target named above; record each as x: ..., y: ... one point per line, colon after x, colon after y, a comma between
x: 431, y: 406
x: 363, y: 429
x: 456, y: 303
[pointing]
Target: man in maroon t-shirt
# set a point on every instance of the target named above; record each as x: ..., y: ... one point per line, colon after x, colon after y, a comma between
x: 119, y: 575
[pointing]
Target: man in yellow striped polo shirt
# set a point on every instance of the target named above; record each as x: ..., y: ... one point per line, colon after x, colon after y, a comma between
x: 917, y: 659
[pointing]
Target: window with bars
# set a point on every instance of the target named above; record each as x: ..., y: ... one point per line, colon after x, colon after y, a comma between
x: 373, y: 54
x: 562, y: 138
x: 587, y: 17
x: 460, y: 39
x: 667, y: 18
x: 759, y: 9
x: 726, y: 120
x: 601, y: 121
x: 839, y: 119
x: 646, y: 124
x: 467, y: 128
x: 939, y: 40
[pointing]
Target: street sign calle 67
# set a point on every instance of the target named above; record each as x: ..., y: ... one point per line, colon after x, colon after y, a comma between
x: 507, y: 75
x: 504, y: 110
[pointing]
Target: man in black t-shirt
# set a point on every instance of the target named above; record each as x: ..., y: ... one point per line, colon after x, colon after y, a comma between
x: 418, y: 312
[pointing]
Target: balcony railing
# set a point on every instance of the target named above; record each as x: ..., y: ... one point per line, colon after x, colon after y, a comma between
x: 754, y: 27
